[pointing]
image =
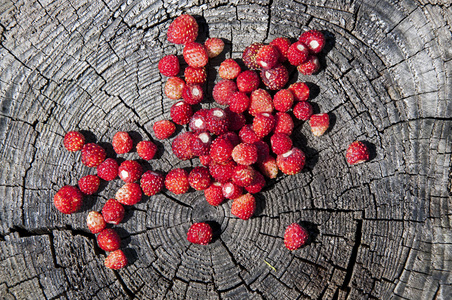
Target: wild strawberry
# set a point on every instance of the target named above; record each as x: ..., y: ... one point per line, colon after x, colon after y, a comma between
x: 221, y: 150
x: 283, y: 100
x: 113, y: 212
x: 260, y: 102
x: 295, y: 236
x: 275, y: 78
x: 199, y: 178
x: 182, y: 30
x: 232, y: 190
x: 245, y: 154
x: 192, y: 94
x: 68, y: 199
x: 229, y: 69
x: 263, y: 150
x: 284, y: 123
x: 108, y: 169
x: 239, y: 102
x: 247, y: 134
x: 195, y: 55
x: 174, y: 87
x: 116, y: 260
x: 122, y: 142
x: 300, y: 91
x: 93, y: 155
x: 89, y: 184
x: 182, y: 145
x: 130, y: 171
x: 200, y: 233
x: 268, y: 167
x: 201, y: 144
x: 195, y: 75
x: 223, y: 90
x: 129, y: 194
x: 267, y: 57
x: 282, y: 44
x: 249, y: 55
x: 357, y: 152
x: 248, y: 81
x: 176, y: 181
x: 222, y: 172
x: 214, y: 46
x: 310, y: 66
x: 257, y: 185
x: 163, y: 129
x: 319, y: 124
x: 181, y: 113
x: 73, y: 141
x: 313, y: 39
x: 169, y: 66
x: 217, y: 121
x: 198, y: 122
x: 146, y: 150
x: 281, y: 143
x: 297, y: 53
x: 291, y: 162
x: 108, y: 240
x: 243, y: 175
x: 214, y: 194
x: 205, y: 160
x: 263, y: 124
x: 236, y: 120
x: 303, y: 110
x: 232, y: 137
x: 95, y: 222
x: 151, y: 183
x: 244, y: 206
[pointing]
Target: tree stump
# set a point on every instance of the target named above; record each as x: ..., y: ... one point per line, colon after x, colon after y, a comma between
x: 381, y: 230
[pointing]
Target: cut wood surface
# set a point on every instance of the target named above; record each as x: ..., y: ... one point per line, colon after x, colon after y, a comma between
x: 380, y: 230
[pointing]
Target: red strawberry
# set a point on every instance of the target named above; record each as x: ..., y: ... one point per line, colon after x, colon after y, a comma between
x: 268, y: 167
x: 174, y: 87
x: 236, y: 120
x: 232, y: 190
x: 221, y: 150
x: 108, y: 169
x: 195, y: 55
x: 214, y: 194
x: 195, y: 75
x: 182, y: 145
x: 183, y: 30
x: 169, y: 66
x: 295, y: 236
x: 214, y: 47
x: 263, y: 124
x: 232, y: 136
x: 267, y: 57
x: 297, y: 53
x: 108, y: 240
x: 275, y: 78
x: 243, y: 175
x: 249, y: 55
x: 357, y: 152
x: 243, y: 207
x: 198, y: 122
x: 257, y: 185
x: 192, y: 94
x: 163, y: 129
x: 300, y: 91
x: 93, y: 155
x: 310, y: 66
x: 313, y: 39
x: 260, y: 101
x: 291, y: 162
x: 129, y: 194
x: 248, y: 81
x: 89, y: 184
x: 229, y: 69
x: 319, y: 124
x: 122, y: 142
x: 239, y: 102
x: 181, y: 113
x: 281, y: 143
x: 146, y: 150
x: 217, y: 121
x: 113, y: 212
x: 130, y: 171
x: 223, y: 90
x: 263, y: 150
x: 247, y: 134
x: 199, y: 178
x: 200, y: 233
x: 68, y: 199
x: 303, y: 110
x: 205, y: 160
x: 283, y: 100
x: 73, y: 141
x: 222, y: 172
x: 282, y: 44
x: 245, y: 154
x: 116, y: 260
x: 284, y: 123
x: 151, y: 183
x: 176, y: 181
x: 95, y: 222
x: 201, y: 144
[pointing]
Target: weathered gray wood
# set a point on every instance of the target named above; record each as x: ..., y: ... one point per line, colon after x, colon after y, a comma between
x: 382, y: 229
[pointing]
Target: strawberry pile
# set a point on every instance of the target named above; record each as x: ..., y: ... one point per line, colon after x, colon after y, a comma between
x: 242, y: 141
